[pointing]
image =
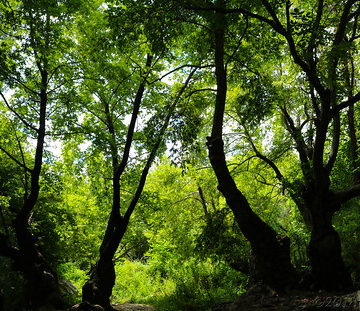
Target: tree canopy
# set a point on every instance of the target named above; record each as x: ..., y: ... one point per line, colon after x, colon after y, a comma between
x: 177, y: 153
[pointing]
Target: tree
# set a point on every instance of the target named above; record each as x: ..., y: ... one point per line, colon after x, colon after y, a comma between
x: 271, y: 254
x: 319, y: 45
x: 268, y: 250
x: 122, y: 84
x: 32, y: 82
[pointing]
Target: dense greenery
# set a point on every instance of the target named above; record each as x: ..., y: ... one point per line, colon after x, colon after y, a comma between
x: 176, y: 153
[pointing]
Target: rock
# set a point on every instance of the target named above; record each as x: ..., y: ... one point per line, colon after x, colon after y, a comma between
x: 67, y: 288
x: 85, y: 306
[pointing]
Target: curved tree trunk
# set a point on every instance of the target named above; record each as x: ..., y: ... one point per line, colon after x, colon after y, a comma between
x: 41, y: 281
x: 271, y: 254
x: 98, y: 289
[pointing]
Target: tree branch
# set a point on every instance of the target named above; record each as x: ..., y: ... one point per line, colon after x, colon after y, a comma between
x: 178, y: 68
x: 239, y: 43
x: 351, y: 101
x: 154, y: 150
x: 298, y: 138
x: 343, y: 196
x: 344, y: 20
x: 279, y: 176
x: 315, y: 31
x: 15, y: 160
x: 17, y: 114
x: 131, y: 129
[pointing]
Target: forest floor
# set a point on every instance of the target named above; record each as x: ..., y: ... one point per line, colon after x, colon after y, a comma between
x: 300, y: 300
x: 132, y: 307
x: 260, y: 300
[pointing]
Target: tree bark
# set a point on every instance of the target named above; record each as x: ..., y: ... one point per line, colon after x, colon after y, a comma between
x: 271, y: 253
x: 324, y: 250
x: 41, y: 281
x: 98, y: 289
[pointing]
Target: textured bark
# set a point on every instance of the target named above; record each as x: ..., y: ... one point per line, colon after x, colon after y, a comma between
x: 316, y: 201
x: 271, y: 262
x: 271, y: 254
x: 98, y: 288
x: 324, y: 250
x: 41, y: 281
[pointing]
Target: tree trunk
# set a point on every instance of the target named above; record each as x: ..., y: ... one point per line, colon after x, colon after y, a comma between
x: 324, y: 250
x: 42, y: 283
x: 97, y: 290
x: 43, y: 291
x: 271, y: 254
x: 43, y: 287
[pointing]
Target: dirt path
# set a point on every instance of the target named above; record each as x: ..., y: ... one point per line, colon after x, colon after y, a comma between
x: 132, y: 307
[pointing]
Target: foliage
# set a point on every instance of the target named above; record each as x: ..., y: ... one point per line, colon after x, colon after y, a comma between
x: 182, y: 244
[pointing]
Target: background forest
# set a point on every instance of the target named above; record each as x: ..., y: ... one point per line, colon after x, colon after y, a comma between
x: 176, y: 153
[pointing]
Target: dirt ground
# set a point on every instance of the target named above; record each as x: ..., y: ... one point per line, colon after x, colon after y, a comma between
x: 293, y: 301
x: 132, y: 307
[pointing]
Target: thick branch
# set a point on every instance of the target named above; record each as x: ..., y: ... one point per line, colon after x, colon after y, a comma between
x: 347, y: 194
x: 297, y: 137
x: 221, y: 77
x: 131, y: 129
x: 279, y: 28
x: 154, y: 150
x: 351, y: 101
x: 344, y: 20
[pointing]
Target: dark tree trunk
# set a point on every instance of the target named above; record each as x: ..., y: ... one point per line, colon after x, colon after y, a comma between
x: 271, y: 254
x: 42, y: 287
x: 324, y: 250
x: 42, y: 282
x: 98, y: 289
